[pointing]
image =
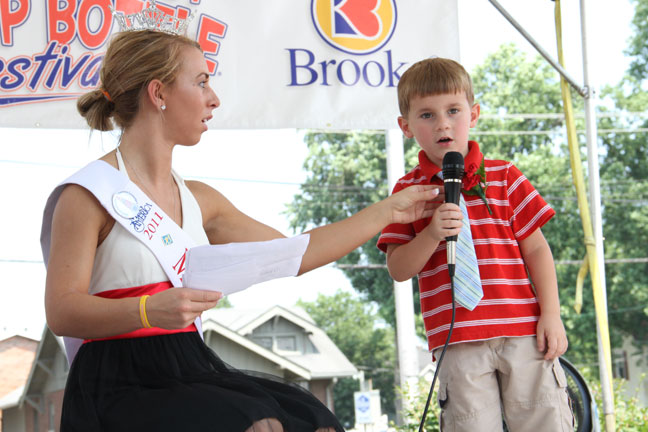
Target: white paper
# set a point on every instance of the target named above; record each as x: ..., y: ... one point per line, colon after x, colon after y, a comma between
x: 236, y: 266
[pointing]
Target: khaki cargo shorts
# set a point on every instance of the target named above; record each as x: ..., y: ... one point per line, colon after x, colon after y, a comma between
x: 481, y: 382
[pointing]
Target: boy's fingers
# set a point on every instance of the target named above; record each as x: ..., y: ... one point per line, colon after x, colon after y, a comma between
x: 540, y: 338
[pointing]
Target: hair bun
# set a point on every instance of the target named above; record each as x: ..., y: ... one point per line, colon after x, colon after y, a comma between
x: 96, y: 109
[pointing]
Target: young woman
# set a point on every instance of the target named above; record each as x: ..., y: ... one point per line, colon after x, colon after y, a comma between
x: 104, y: 285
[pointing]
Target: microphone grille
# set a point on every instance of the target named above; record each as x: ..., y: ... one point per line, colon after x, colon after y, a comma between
x: 453, y: 165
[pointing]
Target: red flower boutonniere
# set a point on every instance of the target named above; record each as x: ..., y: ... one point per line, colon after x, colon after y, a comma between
x: 474, y: 182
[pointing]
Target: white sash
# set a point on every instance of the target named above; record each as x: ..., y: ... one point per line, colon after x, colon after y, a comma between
x: 136, y: 212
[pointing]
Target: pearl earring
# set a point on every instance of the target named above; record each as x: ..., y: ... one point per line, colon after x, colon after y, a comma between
x: 163, y: 107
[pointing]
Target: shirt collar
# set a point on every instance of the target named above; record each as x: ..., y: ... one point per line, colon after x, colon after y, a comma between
x: 430, y: 169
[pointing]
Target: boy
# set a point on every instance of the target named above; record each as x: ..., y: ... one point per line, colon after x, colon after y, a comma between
x: 493, y: 365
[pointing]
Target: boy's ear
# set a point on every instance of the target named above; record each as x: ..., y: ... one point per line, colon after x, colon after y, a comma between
x: 404, y: 125
x: 474, y: 115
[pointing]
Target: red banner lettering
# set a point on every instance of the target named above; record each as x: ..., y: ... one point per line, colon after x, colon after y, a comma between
x: 10, y: 18
x: 208, y: 29
x: 60, y: 22
x: 89, y: 38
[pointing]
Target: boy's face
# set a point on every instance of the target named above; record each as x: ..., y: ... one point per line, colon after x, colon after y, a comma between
x: 440, y: 123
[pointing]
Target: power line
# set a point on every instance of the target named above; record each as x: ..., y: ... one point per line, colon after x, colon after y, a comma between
x: 549, y: 116
x: 557, y: 262
x: 557, y: 132
x: 15, y: 261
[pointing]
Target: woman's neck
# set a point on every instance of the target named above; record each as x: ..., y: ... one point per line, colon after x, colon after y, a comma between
x: 147, y: 153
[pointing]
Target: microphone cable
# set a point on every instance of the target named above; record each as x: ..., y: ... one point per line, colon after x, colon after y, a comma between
x: 451, y: 268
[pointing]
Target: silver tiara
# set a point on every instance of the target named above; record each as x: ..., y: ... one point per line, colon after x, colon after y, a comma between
x: 151, y: 18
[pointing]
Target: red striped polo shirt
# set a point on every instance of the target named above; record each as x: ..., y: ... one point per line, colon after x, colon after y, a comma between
x: 509, y: 306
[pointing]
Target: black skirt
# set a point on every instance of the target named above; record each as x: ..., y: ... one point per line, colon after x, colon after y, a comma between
x: 176, y: 383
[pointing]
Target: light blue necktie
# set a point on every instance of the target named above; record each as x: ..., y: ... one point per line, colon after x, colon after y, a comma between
x: 468, y: 287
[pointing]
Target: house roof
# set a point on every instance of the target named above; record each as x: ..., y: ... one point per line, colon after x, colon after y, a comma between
x: 213, y: 325
x: 17, y: 354
x: 48, y: 347
x: 11, y: 399
x: 327, y: 362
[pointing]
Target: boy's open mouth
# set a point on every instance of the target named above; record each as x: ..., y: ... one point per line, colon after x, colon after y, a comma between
x: 445, y: 140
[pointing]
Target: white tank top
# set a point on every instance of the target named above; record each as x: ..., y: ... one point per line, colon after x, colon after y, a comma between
x: 122, y: 261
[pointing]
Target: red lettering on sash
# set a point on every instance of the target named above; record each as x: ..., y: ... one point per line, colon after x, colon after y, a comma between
x: 179, y: 267
x: 11, y: 17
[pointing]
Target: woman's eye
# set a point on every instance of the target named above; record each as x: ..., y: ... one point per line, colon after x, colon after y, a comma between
x: 203, y: 84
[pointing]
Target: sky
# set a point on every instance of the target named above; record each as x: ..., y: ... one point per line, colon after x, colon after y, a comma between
x: 258, y: 170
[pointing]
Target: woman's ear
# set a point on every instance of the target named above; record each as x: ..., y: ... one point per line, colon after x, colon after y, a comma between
x: 155, y: 94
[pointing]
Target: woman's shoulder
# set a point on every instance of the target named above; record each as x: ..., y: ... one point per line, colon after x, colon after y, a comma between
x: 79, y: 207
x: 210, y: 200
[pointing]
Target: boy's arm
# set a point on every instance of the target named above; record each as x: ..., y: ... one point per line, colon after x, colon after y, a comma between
x: 551, y: 336
x: 406, y: 260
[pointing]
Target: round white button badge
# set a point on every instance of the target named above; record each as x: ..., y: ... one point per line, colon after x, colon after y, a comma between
x: 125, y: 204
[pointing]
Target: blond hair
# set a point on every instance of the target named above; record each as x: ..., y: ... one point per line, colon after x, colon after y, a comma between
x: 132, y: 61
x: 433, y: 76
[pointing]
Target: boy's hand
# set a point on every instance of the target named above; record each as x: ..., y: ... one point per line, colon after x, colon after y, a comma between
x: 446, y: 222
x: 551, y: 336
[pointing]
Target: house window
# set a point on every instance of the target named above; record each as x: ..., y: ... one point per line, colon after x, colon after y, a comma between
x: 620, y: 365
x: 265, y: 342
x: 287, y: 343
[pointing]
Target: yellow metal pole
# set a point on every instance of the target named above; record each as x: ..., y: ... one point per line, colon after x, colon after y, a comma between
x: 579, y: 183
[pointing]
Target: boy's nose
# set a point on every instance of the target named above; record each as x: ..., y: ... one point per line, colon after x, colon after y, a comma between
x: 442, y: 123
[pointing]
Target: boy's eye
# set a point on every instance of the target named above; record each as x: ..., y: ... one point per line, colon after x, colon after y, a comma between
x: 426, y: 115
x: 453, y: 110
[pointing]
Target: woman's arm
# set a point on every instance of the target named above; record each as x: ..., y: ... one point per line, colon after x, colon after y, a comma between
x: 331, y: 242
x: 224, y: 223
x: 78, y: 223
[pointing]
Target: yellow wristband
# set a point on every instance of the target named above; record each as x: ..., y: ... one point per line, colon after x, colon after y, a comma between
x: 142, y: 310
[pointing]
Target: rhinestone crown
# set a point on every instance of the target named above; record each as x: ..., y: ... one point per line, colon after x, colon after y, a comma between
x: 151, y: 18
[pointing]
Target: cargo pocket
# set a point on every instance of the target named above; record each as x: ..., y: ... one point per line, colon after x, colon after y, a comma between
x: 442, y: 398
x: 564, y: 400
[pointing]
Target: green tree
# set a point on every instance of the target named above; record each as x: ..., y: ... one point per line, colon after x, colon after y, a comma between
x: 624, y: 178
x: 364, y: 339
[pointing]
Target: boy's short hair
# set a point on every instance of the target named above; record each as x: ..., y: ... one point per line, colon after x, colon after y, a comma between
x: 433, y: 76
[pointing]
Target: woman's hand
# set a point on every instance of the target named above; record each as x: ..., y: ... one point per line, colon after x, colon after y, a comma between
x: 176, y: 308
x: 414, y: 203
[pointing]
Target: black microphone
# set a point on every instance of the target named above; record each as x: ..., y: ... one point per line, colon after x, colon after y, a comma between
x: 453, y: 171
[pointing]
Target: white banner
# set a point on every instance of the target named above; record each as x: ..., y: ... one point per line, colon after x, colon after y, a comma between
x: 275, y: 64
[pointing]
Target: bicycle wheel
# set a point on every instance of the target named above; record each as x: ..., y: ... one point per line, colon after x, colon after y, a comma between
x: 581, y: 398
